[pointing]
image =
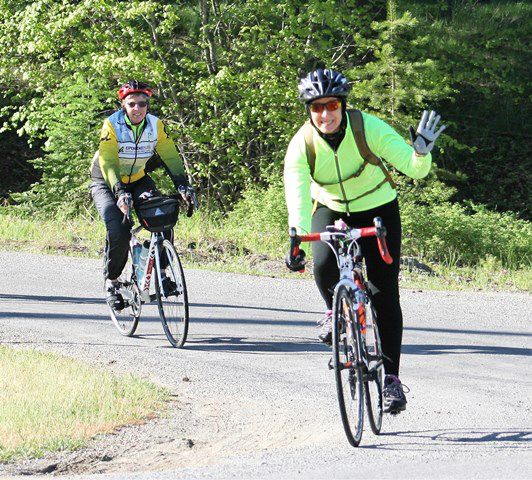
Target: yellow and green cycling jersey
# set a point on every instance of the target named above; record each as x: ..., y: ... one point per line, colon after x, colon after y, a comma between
x: 333, y: 184
x: 125, y: 149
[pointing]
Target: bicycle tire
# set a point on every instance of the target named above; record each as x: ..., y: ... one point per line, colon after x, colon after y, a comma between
x: 348, y: 369
x: 127, y: 319
x: 173, y: 308
x: 375, y: 376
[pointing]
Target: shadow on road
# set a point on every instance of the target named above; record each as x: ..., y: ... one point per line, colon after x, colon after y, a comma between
x: 463, y: 436
x: 54, y: 299
x: 472, y: 332
x: 101, y: 301
x: 152, y: 318
x: 247, y: 345
x: 425, y: 349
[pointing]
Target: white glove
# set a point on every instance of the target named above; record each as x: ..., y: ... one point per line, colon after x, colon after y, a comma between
x: 424, y: 137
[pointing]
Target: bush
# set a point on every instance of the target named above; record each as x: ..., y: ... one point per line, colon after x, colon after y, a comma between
x: 447, y: 232
x: 259, y: 221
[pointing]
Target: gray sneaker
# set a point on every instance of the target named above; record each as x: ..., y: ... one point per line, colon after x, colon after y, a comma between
x: 394, y: 395
x: 325, y: 328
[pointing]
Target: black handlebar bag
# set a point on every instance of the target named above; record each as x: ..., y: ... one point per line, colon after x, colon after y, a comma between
x: 157, y: 214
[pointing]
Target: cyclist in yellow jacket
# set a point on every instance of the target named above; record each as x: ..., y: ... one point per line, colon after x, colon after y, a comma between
x: 129, y: 138
x: 339, y: 184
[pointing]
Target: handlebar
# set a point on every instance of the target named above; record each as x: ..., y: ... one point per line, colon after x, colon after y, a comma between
x: 380, y: 233
x: 294, y: 245
x: 347, y: 234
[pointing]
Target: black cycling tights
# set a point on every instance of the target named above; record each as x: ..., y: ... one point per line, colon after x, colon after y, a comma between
x: 383, y: 279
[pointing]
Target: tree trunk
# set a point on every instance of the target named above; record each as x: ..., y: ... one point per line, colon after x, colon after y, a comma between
x: 209, y: 51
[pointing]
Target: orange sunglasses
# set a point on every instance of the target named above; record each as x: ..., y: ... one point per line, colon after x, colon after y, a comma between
x: 319, y: 107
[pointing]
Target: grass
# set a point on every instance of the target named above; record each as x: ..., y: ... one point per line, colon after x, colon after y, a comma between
x: 212, y: 243
x: 51, y: 403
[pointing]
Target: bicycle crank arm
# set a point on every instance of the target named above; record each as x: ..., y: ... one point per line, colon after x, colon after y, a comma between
x: 343, y: 366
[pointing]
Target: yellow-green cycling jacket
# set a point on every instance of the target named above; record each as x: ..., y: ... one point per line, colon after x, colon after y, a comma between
x: 331, y: 185
x: 122, y: 155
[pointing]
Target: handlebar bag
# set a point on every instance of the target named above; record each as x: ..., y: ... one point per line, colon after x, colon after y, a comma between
x: 157, y: 214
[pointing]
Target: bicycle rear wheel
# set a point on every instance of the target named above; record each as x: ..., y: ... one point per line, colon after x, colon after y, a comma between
x: 127, y: 319
x: 375, y: 376
x: 172, y: 297
x: 347, y: 367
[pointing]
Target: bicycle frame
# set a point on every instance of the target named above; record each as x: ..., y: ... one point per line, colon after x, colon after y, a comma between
x: 343, y: 241
x: 171, y: 296
x: 350, y: 269
x: 153, y: 258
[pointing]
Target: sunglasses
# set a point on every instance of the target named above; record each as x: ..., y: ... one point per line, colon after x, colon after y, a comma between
x: 320, y: 107
x: 140, y: 104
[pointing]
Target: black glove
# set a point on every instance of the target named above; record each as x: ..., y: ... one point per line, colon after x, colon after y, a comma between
x: 296, y: 263
x: 188, y: 194
x: 179, y: 181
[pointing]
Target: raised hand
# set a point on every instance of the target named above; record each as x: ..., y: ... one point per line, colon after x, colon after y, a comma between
x: 426, y: 134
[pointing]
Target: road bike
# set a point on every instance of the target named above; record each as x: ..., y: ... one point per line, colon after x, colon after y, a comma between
x: 156, y: 259
x: 357, y: 358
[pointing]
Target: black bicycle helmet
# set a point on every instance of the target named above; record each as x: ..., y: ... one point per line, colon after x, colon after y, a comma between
x: 322, y: 83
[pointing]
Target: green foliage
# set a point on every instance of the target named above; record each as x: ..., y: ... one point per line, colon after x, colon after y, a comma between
x: 68, y: 149
x: 434, y: 229
x: 450, y: 234
x: 226, y: 73
x: 483, y: 50
x: 259, y: 220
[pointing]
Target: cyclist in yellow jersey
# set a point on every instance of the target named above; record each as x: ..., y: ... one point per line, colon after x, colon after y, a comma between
x: 327, y: 178
x: 129, y: 138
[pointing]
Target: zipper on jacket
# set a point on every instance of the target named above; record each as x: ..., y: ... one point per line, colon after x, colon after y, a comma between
x: 137, y: 140
x: 341, y: 183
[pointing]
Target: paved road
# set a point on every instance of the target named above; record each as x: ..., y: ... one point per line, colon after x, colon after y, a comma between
x: 260, y: 401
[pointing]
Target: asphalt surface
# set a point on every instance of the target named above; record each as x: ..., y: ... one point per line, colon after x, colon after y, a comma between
x: 254, y: 398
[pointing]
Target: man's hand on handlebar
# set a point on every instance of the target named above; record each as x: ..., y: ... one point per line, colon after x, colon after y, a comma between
x: 188, y: 195
x: 124, y: 202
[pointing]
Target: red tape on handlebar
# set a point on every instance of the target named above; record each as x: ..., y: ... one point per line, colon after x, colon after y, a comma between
x: 368, y: 232
x: 311, y: 237
x: 383, y: 249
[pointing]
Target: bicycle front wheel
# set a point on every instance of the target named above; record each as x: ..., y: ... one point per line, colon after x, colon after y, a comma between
x: 375, y: 377
x: 347, y: 366
x: 127, y: 319
x: 172, y: 296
